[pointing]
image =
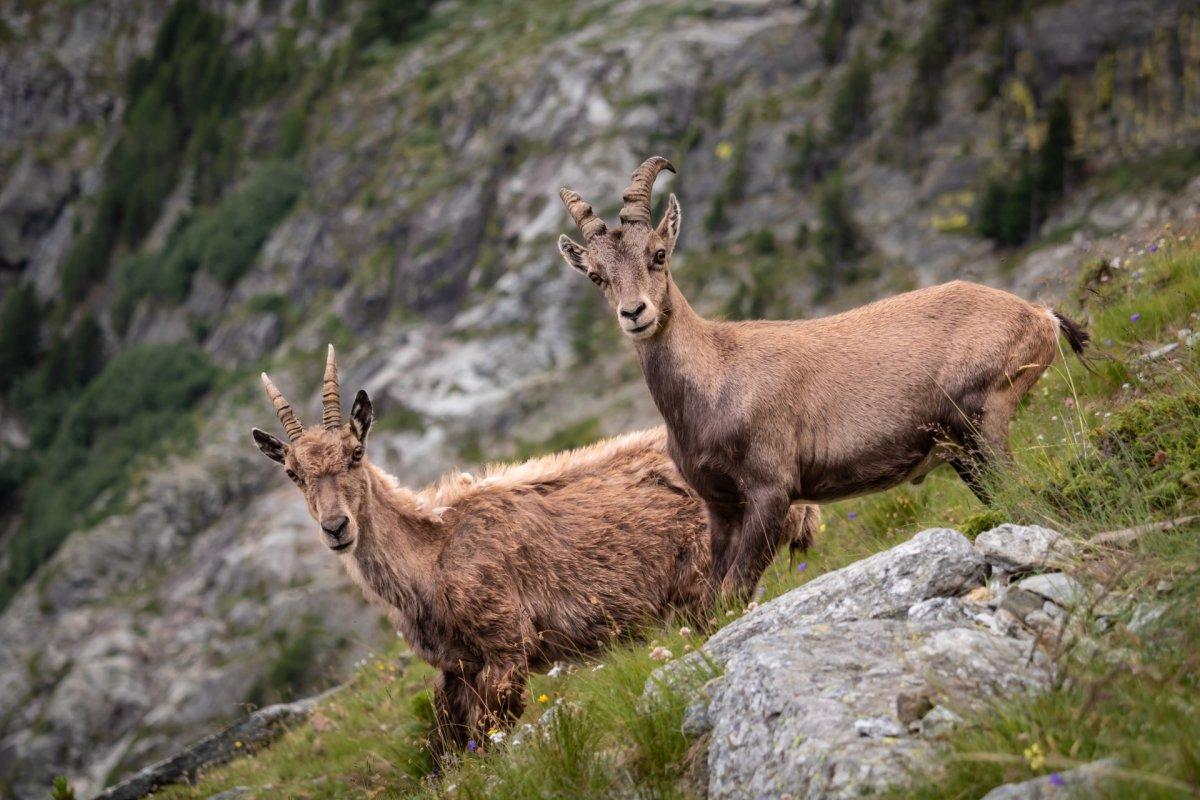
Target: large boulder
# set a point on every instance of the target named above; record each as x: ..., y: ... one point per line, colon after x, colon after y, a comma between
x: 935, y: 563
x: 842, y: 686
x: 818, y: 711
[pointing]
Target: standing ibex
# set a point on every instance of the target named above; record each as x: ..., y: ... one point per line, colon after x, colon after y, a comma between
x: 761, y: 414
x: 491, y: 577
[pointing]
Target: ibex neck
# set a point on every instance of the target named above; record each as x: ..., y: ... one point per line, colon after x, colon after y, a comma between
x: 682, y: 364
x: 398, y: 541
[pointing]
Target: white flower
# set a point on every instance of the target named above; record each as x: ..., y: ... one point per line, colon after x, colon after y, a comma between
x: 661, y: 653
x: 753, y: 604
x: 497, y: 736
x: 685, y: 631
x: 555, y: 671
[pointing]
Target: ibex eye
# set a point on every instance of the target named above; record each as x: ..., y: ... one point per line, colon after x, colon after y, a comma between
x: 596, y: 279
x: 660, y: 256
x: 356, y: 454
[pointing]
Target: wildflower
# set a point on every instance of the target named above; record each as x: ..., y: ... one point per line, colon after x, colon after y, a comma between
x: 751, y: 606
x: 1108, y: 342
x: 555, y: 671
x: 823, y: 527
x: 1160, y: 458
x: 852, y: 515
x: 685, y: 631
x: 802, y: 566
x: 661, y: 653
x: 1035, y: 757
x: 543, y: 698
x: 1153, y: 248
x: 759, y: 592
x: 724, y: 151
x: 1135, y: 316
x: 237, y: 745
x: 496, y: 735
x: 1057, y: 780
x: 472, y: 745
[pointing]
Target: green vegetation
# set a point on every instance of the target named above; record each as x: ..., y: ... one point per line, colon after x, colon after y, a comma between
x: 837, y: 19
x: 223, y: 242
x: 297, y: 666
x: 851, y: 110
x: 1012, y: 208
x: 20, y: 325
x: 1087, y: 447
x: 388, y: 21
x: 838, y: 242
x: 1169, y: 170
x: 181, y: 103
x: 134, y: 408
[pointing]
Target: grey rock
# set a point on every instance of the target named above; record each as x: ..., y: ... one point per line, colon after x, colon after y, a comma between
x: 1039, y: 620
x: 1146, y: 616
x: 810, y: 710
x: 1159, y: 352
x: 231, y: 794
x: 939, y: 723
x: 878, y: 727
x: 1024, y: 548
x: 1058, y: 588
x: 255, y: 731
x: 1069, y: 784
x: 1021, y: 602
x: 935, y: 563
x: 940, y: 609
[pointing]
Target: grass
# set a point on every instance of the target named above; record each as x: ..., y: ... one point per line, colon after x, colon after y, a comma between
x: 1087, y: 447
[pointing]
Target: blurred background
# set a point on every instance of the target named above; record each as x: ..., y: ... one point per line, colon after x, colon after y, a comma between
x: 194, y: 191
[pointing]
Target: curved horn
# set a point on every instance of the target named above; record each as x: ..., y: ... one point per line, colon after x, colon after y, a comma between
x: 284, y: 409
x: 637, y: 196
x: 331, y: 394
x: 581, y: 211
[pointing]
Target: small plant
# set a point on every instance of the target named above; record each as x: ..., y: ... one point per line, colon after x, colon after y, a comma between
x: 851, y: 109
x: 61, y: 789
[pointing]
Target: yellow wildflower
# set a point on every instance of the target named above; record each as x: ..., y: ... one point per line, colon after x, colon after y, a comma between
x: 543, y: 698
x: 724, y: 151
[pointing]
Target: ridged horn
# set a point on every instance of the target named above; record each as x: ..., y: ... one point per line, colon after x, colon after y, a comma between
x: 331, y: 394
x: 284, y: 409
x: 637, y: 196
x: 581, y: 211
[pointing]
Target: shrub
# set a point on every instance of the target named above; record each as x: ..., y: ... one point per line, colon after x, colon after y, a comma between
x: 848, y: 116
x: 838, y: 19
x: 389, y: 21
x: 134, y: 405
x: 20, y: 323
x: 837, y: 239
x: 1011, y: 209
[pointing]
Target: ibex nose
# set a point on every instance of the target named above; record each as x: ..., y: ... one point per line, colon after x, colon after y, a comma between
x: 635, y: 313
x: 334, y: 526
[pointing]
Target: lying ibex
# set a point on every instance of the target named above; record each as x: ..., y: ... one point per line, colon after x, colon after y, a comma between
x: 491, y: 577
x: 761, y: 414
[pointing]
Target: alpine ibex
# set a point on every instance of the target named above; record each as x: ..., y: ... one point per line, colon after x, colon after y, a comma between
x: 762, y: 414
x: 491, y: 577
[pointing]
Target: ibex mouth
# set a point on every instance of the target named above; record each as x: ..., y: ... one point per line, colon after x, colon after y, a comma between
x: 338, y: 548
x: 637, y: 333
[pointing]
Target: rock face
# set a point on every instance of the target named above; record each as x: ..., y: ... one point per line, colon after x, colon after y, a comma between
x: 1024, y: 548
x: 934, y: 563
x: 1084, y: 781
x: 842, y: 687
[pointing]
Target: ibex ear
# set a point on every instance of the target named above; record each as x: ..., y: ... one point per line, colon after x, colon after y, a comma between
x: 668, y: 228
x: 572, y: 253
x: 271, y: 447
x: 362, y: 414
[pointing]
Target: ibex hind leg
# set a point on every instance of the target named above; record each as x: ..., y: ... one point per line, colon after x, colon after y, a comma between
x: 454, y: 701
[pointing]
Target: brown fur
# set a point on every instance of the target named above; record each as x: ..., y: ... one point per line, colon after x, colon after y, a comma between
x: 493, y: 576
x: 762, y: 414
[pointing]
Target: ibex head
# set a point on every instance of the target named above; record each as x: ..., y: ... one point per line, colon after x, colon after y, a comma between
x: 631, y: 263
x: 325, y: 462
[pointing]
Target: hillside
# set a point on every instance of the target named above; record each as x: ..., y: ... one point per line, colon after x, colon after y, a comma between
x: 195, y: 191
x: 1100, y: 455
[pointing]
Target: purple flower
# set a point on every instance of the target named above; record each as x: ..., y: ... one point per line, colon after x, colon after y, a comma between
x: 1135, y: 316
x: 1057, y: 780
x: 1108, y: 342
x: 1153, y: 248
x: 802, y: 566
x: 852, y: 515
x: 472, y: 745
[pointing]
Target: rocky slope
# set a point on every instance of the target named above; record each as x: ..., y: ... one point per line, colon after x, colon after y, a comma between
x: 422, y: 242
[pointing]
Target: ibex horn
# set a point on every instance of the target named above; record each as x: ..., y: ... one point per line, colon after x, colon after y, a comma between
x: 637, y: 196
x: 284, y: 409
x: 581, y: 211
x: 331, y: 394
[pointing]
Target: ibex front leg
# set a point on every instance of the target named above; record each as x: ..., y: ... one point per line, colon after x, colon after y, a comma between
x: 759, y: 539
